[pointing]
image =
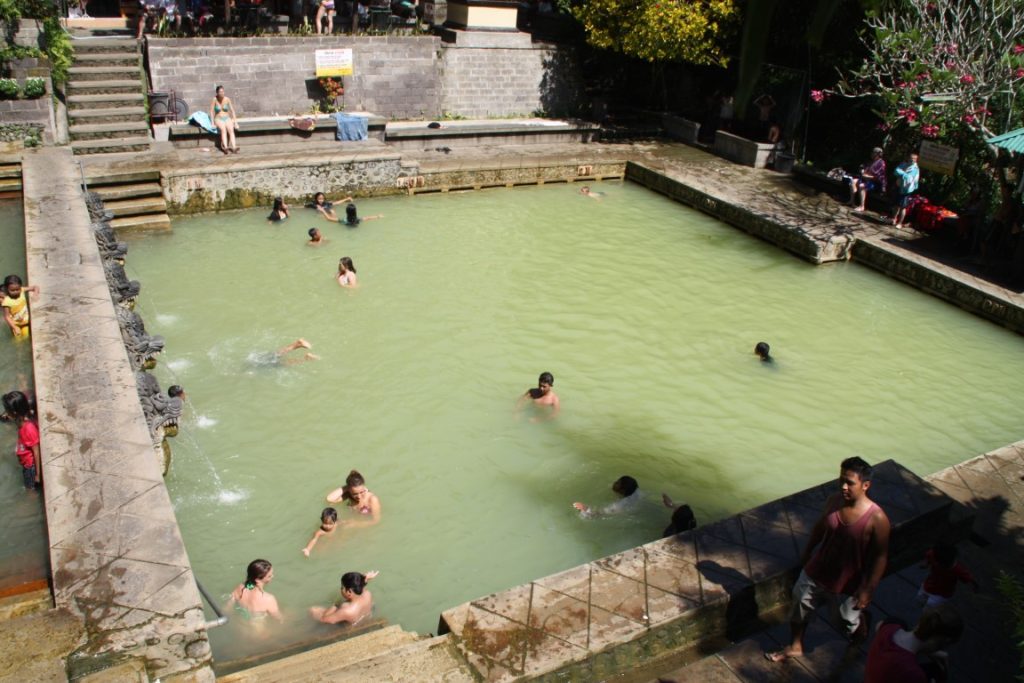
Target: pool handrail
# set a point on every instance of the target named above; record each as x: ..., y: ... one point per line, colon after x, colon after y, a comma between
x: 221, y: 619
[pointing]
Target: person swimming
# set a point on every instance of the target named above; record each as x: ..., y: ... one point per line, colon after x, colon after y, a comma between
x: 279, y: 212
x: 315, y: 238
x: 250, y: 599
x: 683, y: 518
x: 542, y: 396
x: 347, y: 273
x: 359, y: 498
x: 277, y: 358
x: 627, y: 487
x: 328, y: 523
x: 325, y: 207
x: 352, y: 218
x: 586, y: 192
x: 357, y: 604
x: 762, y: 351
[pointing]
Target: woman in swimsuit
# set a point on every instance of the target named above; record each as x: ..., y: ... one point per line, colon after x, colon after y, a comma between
x: 279, y: 212
x: 362, y: 501
x: 347, y: 273
x: 250, y: 599
x: 326, y: 7
x: 358, y: 602
x: 222, y: 113
x: 325, y: 207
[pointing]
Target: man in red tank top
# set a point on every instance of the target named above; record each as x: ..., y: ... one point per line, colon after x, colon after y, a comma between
x: 845, y: 556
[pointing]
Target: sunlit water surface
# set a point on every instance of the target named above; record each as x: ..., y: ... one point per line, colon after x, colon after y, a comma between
x: 645, y: 311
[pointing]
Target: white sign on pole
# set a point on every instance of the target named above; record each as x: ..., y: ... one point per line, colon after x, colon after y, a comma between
x: 334, y: 62
x: 938, y: 158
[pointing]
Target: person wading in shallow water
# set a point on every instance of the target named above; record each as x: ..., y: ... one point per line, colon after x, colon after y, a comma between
x: 543, y: 397
x: 846, y: 554
x: 357, y: 604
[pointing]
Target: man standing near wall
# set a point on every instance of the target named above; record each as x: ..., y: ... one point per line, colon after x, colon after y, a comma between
x: 851, y: 539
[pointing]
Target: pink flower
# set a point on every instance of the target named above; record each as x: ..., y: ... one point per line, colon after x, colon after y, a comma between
x: 908, y: 114
x: 967, y: 79
x: 950, y: 64
x: 930, y: 131
x: 818, y: 96
x: 883, y: 126
x: 1018, y: 49
x: 1019, y: 73
x: 968, y: 118
x: 923, y: 76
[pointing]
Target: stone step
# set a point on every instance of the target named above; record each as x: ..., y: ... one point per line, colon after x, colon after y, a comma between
x: 107, y: 115
x: 104, y: 101
x: 10, y: 184
x: 311, y: 665
x: 104, y: 73
x: 106, y: 59
x: 136, y: 207
x: 130, y: 191
x: 10, y: 170
x: 117, y: 129
x: 133, y: 144
x: 153, y: 222
x: 105, y: 45
x: 121, y: 86
x: 428, y: 659
x: 104, y: 179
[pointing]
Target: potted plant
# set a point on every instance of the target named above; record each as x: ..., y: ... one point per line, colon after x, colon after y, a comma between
x: 334, y: 91
x: 34, y: 88
x: 9, y: 89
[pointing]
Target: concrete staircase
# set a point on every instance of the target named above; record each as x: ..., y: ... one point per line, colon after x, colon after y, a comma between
x: 10, y: 180
x: 387, y: 654
x: 135, y: 199
x: 105, y: 96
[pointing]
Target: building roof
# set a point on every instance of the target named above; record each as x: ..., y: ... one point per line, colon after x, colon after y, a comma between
x: 1013, y: 141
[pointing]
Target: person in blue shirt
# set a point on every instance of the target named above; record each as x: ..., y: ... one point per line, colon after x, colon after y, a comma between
x: 908, y: 176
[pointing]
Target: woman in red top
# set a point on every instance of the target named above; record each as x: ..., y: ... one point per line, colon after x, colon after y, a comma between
x: 944, y: 573
x: 18, y: 408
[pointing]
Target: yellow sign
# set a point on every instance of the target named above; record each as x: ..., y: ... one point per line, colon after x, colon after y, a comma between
x: 938, y: 158
x: 334, y: 62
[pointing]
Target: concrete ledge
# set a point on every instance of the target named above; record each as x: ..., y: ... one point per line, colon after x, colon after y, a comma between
x: 271, y: 129
x: 602, y: 619
x: 506, y: 132
x: 815, y: 246
x: 969, y: 293
x: 679, y: 128
x: 742, y: 150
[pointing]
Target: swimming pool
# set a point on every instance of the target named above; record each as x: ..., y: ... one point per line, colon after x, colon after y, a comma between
x: 23, y: 546
x: 645, y: 311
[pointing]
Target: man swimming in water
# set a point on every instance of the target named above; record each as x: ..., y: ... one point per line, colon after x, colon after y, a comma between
x: 277, y: 358
x: 585, y: 191
x: 762, y: 350
x: 316, y: 238
x: 543, y: 397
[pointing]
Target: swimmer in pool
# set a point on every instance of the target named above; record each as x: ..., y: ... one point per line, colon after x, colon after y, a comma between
x: 357, y: 604
x: 325, y: 207
x: 626, y: 487
x: 762, y: 351
x: 328, y: 523
x: 276, y: 358
x: 543, y: 397
x: 360, y: 500
x: 347, y: 273
x: 316, y: 239
x: 352, y: 218
x: 251, y: 599
x: 586, y: 192
x: 279, y: 212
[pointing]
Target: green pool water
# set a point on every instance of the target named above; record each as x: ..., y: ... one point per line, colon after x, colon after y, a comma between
x: 645, y: 311
x: 23, y: 547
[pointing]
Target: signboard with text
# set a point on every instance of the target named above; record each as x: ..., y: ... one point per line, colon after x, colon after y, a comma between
x: 938, y: 158
x: 334, y: 62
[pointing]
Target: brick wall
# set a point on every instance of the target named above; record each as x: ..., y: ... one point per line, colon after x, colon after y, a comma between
x: 399, y: 77
x: 394, y: 76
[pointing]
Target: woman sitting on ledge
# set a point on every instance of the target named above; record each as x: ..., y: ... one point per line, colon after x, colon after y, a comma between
x: 222, y: 113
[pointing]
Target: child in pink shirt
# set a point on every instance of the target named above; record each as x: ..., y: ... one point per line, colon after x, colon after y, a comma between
x: 27, y: 451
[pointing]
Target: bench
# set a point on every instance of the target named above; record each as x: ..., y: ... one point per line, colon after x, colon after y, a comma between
x: 818, y: 180
x: 268, y: 129
x: 417, y: 135
x: 741, y: 150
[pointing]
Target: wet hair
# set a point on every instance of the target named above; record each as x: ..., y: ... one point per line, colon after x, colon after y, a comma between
x: 278, y: 203
x: 256, y: 571
x: 683, y: 519
x: 175, y: 390
x: 17, y: 405
x: 347, y: 262
x: 762, y: 350
x: 329, y: 515
x: 312, y: 232
x: 350, y: 213
x: 11, y: 280
x: 940, y: 622
x: 546, y: 378
x: 353, y: 479
x: 354, y: 581
x: 945, y: 554
x: 858, y: 466
x: 625, y: 485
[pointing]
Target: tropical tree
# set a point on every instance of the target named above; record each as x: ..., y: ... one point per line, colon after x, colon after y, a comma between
x: 661, y: 30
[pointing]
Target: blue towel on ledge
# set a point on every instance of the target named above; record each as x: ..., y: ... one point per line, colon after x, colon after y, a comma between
x: 351, y: 127
x: 202, y: 119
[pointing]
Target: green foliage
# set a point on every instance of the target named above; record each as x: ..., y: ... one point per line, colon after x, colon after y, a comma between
x: 29, y: 133
x: 58, y: 49
x: 661, y: 30
x: 37, y: 9
x: 34, y: 87
x: 1013, y: 597
x: 9, y: 89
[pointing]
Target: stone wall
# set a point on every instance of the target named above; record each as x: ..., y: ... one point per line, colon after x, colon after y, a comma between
x: 257, y: 185
x: 395, y: 76
x: 398, y: 77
